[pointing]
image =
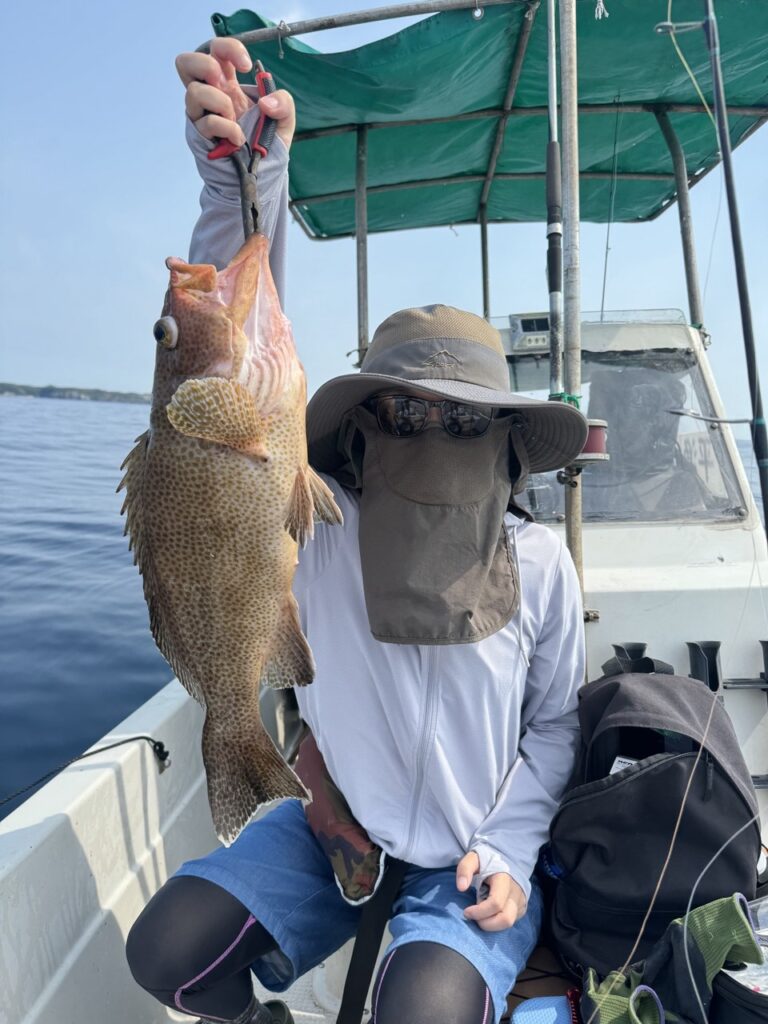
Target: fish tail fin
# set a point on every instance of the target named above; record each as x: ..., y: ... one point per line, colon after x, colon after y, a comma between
x: 244, y: 770
x: 290, y: 661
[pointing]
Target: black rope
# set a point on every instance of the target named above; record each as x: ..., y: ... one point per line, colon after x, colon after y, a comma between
x: 158, y: 748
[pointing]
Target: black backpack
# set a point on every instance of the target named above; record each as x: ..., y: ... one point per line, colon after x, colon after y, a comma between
x: 611, y: 834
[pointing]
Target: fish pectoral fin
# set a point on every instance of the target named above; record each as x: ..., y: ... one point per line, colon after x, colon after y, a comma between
x: 324, y: 504
x: 290, y: 661
x: 299, y: 519
x: 219, y: 410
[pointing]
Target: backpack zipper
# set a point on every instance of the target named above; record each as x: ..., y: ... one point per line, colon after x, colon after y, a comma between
x: 588, y: 789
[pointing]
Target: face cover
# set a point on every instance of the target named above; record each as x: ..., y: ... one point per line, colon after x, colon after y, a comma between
x: 435, y: 557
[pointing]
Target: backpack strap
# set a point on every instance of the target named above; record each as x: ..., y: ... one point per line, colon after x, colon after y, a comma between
x: 374, y: 916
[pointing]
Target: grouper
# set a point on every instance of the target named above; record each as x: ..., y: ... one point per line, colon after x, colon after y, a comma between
x: 218, y: 497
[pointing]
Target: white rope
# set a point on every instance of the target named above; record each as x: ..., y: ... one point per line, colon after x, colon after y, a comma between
x: 687, y: 67
x: 600, y: 11
x: 611, y: 206
x: 714, y: 237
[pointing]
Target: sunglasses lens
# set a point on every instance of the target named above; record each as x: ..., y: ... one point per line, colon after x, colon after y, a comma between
x: 466, y: 420
x: 401, y: 415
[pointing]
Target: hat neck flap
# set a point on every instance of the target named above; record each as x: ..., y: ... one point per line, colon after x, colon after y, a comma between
x: 434, y: 551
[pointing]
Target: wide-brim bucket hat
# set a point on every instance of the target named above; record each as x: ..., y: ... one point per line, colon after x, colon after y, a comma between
x: 447, y: 353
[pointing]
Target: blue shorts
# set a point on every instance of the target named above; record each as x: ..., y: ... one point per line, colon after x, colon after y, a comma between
x: 278, y: 871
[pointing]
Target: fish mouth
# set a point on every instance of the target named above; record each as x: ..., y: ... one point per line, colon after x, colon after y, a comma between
x: 239, y: 288
x: 234, y: 291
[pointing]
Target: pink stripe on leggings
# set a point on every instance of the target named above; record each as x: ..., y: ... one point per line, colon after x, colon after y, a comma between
x: 381, y: 982
x: 487, y: 998
x: 177, y: 997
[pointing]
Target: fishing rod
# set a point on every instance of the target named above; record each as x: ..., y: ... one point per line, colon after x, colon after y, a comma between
x: 554, y: 217
x: 757, y: 422
x: 757, y: 427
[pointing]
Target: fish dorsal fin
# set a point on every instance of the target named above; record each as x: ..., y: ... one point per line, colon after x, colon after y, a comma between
x: 135, y: 527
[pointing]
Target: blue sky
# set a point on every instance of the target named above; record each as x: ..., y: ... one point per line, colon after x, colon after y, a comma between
x: 97, y: 188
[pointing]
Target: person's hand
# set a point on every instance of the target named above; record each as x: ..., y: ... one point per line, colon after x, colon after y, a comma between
x: 503, y: 905
x: 214, y: 100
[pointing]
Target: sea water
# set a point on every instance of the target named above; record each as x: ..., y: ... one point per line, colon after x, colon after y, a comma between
x: 76, y: 654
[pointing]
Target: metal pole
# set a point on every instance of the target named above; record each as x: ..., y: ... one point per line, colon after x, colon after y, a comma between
x: 571, y: 267
x: 484, y: 255
x: 695, y: 309
x: 759, y: 434
x: 509, y: 97
x: 295, y: 28
x: 554, y: 216
x: 470, y: 179
x: 361, y: 234
x: 486, y: 113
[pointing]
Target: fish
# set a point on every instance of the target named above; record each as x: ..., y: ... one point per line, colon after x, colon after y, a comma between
x: 218, y: 498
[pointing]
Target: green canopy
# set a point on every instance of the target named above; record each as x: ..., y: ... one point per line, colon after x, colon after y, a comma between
x: 450, y: 74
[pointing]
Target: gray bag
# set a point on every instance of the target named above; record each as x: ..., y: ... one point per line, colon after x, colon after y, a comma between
x: 611, y: 834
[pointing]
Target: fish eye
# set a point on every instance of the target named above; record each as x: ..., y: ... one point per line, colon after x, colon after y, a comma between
x: 166, y: 332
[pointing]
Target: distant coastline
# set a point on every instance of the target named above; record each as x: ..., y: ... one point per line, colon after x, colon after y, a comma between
x: 76, y: 394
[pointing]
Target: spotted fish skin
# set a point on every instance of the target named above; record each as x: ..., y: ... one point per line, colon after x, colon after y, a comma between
x: 218, y: 497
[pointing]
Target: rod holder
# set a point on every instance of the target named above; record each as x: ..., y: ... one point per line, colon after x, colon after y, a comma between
x: 629, y: 651
x: 759, y: 683
x: 704, y: 659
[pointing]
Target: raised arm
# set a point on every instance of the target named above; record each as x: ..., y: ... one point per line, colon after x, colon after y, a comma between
x: 218, y: 107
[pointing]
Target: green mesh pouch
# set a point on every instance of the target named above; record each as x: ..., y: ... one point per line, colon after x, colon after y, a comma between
x: 674, y: 982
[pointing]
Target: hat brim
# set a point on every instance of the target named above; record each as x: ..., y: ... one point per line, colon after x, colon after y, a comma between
x: 554, y: 435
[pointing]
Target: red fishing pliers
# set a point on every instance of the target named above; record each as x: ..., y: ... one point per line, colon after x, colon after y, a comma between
x: 258, y: 147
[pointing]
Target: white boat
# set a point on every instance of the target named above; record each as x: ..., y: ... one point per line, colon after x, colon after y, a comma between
x: 665, y: 566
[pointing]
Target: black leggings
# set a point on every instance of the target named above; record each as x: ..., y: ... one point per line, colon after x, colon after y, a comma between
x: 193, y: 944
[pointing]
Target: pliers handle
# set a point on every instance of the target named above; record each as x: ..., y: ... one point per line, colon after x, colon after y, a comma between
x: 246, y: 158
x: 264, y: 132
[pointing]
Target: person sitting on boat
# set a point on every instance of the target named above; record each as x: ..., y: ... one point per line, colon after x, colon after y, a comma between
x: 447, y: 632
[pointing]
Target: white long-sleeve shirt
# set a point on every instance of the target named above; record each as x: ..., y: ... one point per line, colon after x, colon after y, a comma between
x: 438, y: 750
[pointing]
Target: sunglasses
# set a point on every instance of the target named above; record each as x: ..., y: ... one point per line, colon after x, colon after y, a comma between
x: 404, y: 416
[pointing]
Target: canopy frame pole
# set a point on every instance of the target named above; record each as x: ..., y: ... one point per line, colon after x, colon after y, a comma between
x: 509, y: 98
x: 484, y: 258
x: 295, y: 28
x: 467, y: 179
x: 757, y: 427
x: 571, y: 264
x: 554, y: 215
x: 695, y: 309
x: 361, y: 237
x: 760, y: 113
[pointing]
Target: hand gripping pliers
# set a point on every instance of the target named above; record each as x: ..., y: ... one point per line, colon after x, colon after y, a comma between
x: 246, y: 157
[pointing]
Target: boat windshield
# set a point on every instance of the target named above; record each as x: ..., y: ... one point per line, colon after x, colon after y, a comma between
x: 662, y: 466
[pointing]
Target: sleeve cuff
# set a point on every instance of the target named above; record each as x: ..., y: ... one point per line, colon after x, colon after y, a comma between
x: 492, y: 862
x: 220, y: 176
